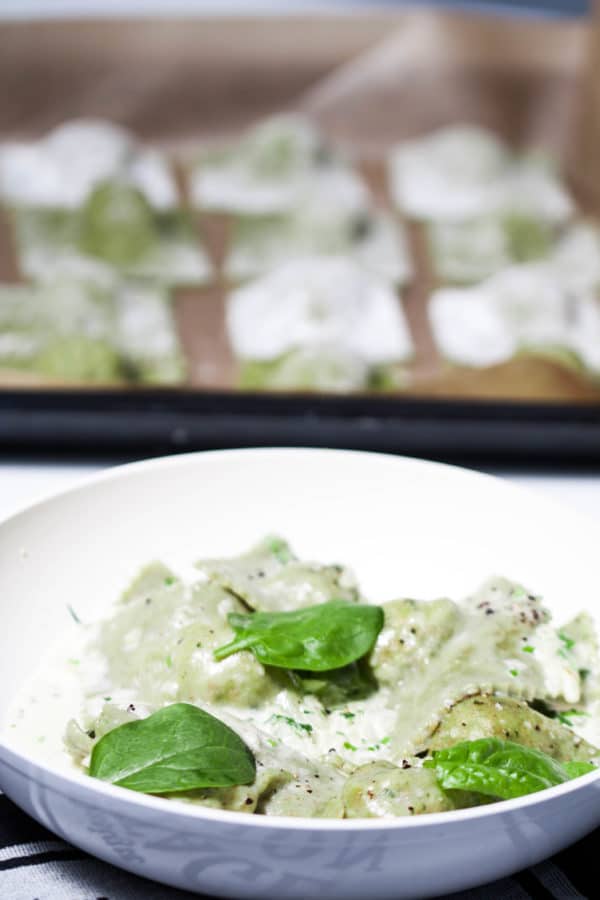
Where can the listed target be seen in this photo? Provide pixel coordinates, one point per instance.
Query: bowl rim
(71, 783)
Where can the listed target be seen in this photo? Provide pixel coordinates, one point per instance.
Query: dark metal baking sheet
(148, 422)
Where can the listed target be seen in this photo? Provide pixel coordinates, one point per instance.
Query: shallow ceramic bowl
(407, 527)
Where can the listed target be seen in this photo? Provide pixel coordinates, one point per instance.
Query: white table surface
(22, 482)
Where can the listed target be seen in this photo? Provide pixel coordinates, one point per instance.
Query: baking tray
(150, 422)
(178, 83)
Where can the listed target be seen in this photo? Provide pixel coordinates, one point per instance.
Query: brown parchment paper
(369, 80)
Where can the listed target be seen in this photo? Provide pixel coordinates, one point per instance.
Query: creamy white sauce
(72, 683)
(588, 726)
(561, 678)
(37, 719)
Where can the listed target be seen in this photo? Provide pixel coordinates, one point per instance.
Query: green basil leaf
(497, 768)
(315, 638)
(575, 769)
(178, 748)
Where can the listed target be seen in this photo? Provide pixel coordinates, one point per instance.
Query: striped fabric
(35, 865)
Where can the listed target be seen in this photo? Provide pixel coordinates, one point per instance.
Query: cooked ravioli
(470, 251)
(61, 170)
(318, 323)
(270, 577)
(463, 173)
(269, 170)
(382, 790)
(79, 330)
(524, 309)
(367, 235)
(346, 741)
(115, 230)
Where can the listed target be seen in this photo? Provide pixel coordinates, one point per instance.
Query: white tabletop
(20, 483)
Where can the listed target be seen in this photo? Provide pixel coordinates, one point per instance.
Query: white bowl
(408, 528)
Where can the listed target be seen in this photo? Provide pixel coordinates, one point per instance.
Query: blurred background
(343, 223)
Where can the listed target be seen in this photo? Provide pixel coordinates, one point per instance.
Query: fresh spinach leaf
(315, 638)
(178, 748)
(575, 769)
(498, 768)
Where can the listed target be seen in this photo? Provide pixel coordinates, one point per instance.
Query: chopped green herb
(528, 648)
(169, 661)
(567, 641)
(514, 672)
(297, 726)
(565, 717)
(348, 715)
(107, 699)
(349, 746)
(169, 580)
(384, 740)
(281, 550)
